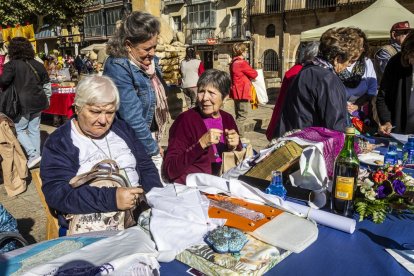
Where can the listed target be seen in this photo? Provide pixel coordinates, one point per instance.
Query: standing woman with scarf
(133, 66)
(317, 97)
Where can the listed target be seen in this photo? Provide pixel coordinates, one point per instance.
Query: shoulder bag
(9, 102)
(46, 86)
(103, 174)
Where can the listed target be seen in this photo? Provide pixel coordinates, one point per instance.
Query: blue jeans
(28, 133)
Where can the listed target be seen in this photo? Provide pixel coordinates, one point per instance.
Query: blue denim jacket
(137, 97)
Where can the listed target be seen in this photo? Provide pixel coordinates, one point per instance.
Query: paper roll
(325, 218)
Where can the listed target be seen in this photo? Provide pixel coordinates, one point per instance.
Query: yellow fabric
(6, 34)
(17, 31)
(254, 101)
(75, 31)
(64, 32)
(28, 31)
(14, 161)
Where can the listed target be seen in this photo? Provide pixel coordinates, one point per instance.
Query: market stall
(61, 100)
(63, 94)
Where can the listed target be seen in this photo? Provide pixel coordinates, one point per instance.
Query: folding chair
(52, 226)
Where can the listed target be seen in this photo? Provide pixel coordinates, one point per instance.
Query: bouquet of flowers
(381, 191)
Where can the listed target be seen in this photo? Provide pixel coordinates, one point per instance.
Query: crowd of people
(123, 114)
(340, 73)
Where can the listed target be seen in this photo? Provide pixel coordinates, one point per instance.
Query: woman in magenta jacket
(241, 75)
(199, 136)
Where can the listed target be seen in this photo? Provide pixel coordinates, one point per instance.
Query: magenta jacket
(184, 153)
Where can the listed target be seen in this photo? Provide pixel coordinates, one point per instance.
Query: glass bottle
(345, 176)
(391, 157)
(408, 153)
(276, 185)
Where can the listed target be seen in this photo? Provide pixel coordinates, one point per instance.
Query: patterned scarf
(353, 78)
(162, 115)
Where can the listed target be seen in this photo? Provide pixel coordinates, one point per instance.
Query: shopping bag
(233, 158)
(260, 86)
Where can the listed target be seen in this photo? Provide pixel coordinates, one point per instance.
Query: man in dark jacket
(395, 100)
(398, 33)
(79, 64)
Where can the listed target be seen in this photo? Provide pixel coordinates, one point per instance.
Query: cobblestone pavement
(28, 210)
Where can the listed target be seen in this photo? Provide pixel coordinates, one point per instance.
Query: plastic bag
(260, 86)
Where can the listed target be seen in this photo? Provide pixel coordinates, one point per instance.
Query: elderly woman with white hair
(94, 134)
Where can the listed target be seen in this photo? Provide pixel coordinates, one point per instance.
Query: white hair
(96, 90)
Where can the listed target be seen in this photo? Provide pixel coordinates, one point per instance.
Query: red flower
(379, 177)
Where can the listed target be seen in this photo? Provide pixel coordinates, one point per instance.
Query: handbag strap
(106, 164)
(85, 178)
(34, 71)
(105, 168)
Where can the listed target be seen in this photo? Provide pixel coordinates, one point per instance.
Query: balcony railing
(110, 29)
(94, 31)
(193, 2)
(258, 7)
(173, 2)
(201, 36)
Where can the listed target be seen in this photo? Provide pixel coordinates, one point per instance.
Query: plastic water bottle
(276, 185)
(408, 152)
(391, 157)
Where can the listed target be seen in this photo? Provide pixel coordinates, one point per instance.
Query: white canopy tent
(94, 47)
(375, 21)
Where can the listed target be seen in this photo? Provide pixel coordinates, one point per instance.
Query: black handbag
(9, 102)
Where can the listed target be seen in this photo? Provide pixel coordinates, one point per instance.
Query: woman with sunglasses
(133, 66)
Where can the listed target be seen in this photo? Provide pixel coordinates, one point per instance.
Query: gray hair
(309, 51)
(220, 80)
(96, 90)
(138, 27)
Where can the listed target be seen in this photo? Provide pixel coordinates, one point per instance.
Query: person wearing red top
(308, 53)
(241, 75)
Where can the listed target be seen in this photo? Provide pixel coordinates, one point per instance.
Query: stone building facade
(212, 26)
(270, 28)
(276, 30)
